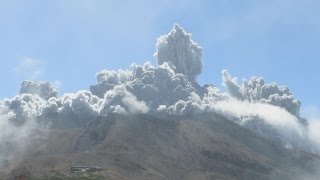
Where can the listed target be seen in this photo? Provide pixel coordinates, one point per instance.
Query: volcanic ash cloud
(178, 49)
(170, 87)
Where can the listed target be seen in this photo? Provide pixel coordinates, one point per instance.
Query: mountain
(155, 146)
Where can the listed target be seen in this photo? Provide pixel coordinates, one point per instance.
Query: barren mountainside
(161, 147)
(156, 121)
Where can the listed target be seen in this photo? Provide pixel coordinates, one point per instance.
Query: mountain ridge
(148, 146)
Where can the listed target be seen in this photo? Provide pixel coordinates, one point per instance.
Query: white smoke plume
(169, 87)
(268, 120)
(17, 135)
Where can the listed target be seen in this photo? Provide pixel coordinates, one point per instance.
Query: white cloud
(29, 69)
(272, 115)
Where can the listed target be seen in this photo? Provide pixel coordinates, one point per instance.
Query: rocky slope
(161, 147)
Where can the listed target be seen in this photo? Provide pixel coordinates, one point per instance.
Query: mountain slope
(165, 147)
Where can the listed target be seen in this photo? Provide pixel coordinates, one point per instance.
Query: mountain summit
(157, 122)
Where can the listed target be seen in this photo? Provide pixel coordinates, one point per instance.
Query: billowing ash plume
(44, 89)
(120, 100)
(25, 106)
(255, 90)
(169, 87)
(178, 49)
(108, 79)
(155, 86)
(179, 60)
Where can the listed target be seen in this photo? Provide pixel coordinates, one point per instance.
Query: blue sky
(67, 42)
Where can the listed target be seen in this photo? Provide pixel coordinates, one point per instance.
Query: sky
(68, 42)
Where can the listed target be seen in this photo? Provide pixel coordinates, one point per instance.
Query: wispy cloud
(29, 68)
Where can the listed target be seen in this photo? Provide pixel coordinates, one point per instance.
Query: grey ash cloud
(43, 89)
(178, 49)
(169, 87)
(256, 90)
